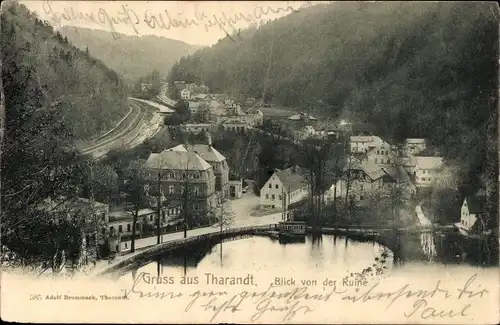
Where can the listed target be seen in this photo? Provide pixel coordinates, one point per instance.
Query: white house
(363, 144)
(381, 154)
(428, 170)
(185, 94)
(285, 187)
(414, 146)
(471, 209)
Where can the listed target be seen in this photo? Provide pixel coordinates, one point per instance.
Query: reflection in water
(428, 245)
(313, 254)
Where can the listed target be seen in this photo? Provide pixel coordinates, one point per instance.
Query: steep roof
(293, 178)
(476, 203)
(302, 116)
(119, 215)
(176, 160)
(207, 152)
(429, 162)
(179, 147)
(397, 174)
(373, 171)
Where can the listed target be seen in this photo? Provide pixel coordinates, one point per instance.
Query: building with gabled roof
(428, 170)
(364, 143)
(218, 163)
(285, 187)
(472, 210)
(183, 175)
(414, 146)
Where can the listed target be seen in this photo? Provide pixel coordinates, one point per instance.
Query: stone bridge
(405, 243)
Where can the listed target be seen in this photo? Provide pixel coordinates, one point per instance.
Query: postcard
(298, 162)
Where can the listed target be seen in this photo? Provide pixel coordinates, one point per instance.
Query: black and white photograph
(249, 162)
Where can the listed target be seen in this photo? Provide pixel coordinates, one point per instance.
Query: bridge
(405, 243)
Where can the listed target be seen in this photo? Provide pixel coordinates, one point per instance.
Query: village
(189, 186)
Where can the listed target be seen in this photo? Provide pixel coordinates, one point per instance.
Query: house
(472, 209)
(235, 188)
(184, 176)
(361, 180)
(179, 85)
(302, 117)
(197, 128)
(363, 144)
(193, 106)
(428, 170)
(218, 163)
(204, 89)
(185, 94)
(381, 154)
(414, 146)
(146, 87)
(285, 187)
(397, 176)
(93, 216)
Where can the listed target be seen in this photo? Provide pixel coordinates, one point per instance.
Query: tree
(202, 114)
(135, 188)
(222, 216)
(36, 162)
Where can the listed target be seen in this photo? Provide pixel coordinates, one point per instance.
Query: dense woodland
(131, 56)
(54, 94)
(423, 69)
(90, 96)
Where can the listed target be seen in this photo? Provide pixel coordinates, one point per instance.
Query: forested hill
(131, 56)
(415, 69)
(40, 69)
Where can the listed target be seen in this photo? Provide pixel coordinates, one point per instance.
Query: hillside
(130, 56)
(89, 96)
(413, 69)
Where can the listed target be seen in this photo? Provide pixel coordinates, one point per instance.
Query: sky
(194, 22)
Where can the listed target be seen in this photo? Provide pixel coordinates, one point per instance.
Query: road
(239, 222)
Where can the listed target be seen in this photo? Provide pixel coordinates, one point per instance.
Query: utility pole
(158, 203)
(92, 204)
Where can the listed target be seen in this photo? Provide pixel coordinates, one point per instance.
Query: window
(196, 207)
(171, 189)
(103, 230)
(111, 229)
(270, 185)
(128, 227)
(273, 196)
(361, 197)
(277, 186)
(196, 191)
(120, 228)
(267, 196)
(280, 198)
(376, 160)
(150, 218)
(103, 216)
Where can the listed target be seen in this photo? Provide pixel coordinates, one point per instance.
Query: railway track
(120, 135)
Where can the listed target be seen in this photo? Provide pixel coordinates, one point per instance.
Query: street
(241, 208)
